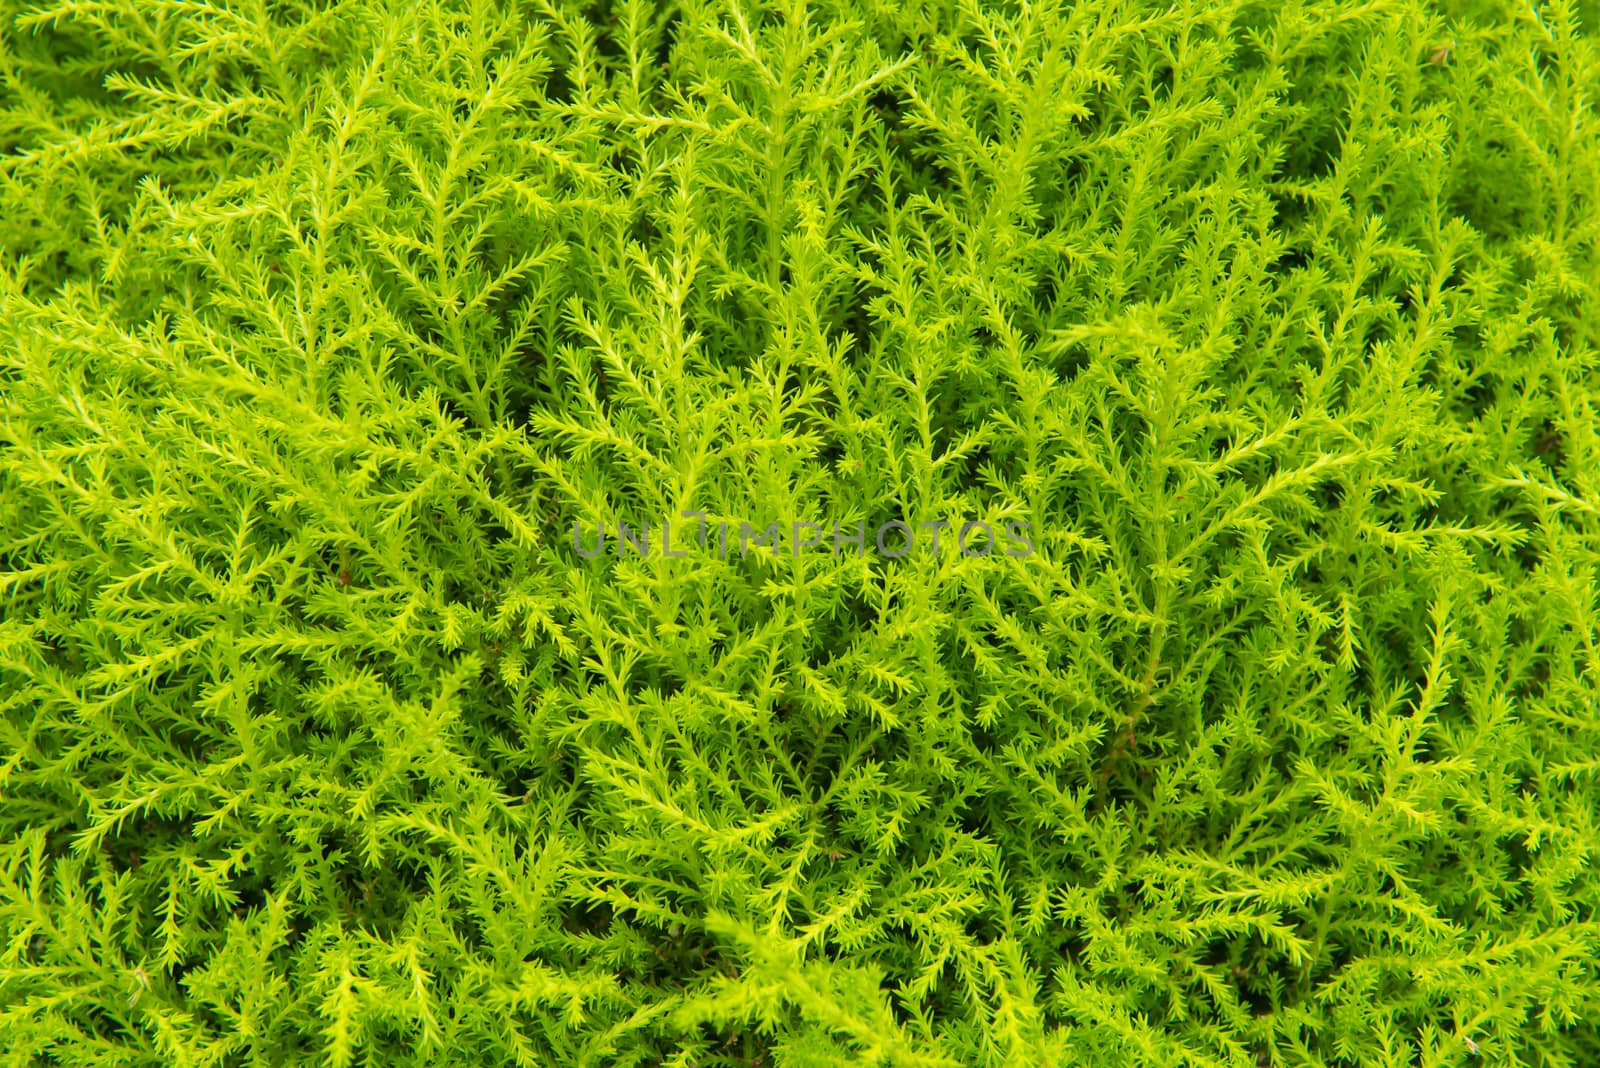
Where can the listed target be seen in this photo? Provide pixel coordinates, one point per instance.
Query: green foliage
(324, 324)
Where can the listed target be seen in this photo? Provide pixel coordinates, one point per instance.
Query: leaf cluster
(325, 323)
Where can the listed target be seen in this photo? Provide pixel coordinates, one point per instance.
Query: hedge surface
(331, 331)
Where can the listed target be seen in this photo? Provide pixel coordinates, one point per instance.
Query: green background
(321, 325)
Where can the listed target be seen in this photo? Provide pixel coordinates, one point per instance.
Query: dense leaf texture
(324, 323)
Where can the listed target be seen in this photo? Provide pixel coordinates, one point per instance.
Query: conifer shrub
(891, 532)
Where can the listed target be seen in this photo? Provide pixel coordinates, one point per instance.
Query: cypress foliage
(1270, 325)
